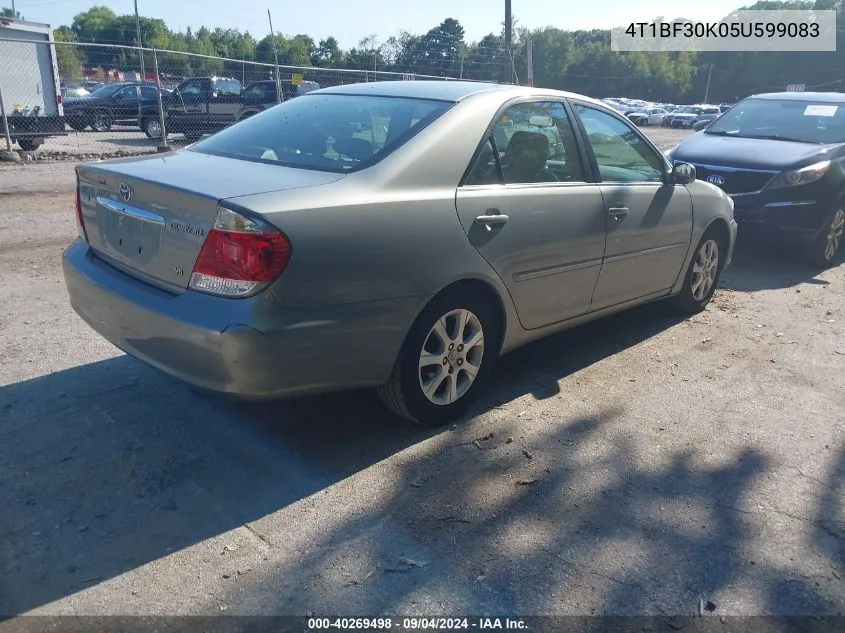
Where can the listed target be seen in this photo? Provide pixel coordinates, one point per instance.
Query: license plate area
(130, 234)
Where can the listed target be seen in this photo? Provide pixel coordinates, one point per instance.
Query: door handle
(618, 212)
(494, 218)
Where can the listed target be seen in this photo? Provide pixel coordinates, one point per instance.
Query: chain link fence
(113, 100)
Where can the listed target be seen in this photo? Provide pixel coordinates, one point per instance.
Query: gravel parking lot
(638, 465)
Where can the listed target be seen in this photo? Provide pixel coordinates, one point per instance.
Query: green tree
(69, 58)
(6, 12)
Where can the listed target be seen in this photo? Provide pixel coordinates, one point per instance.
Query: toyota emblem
(716, 180)
(125, 192)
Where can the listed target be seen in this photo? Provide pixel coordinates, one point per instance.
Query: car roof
(447, 90)
(827, 97)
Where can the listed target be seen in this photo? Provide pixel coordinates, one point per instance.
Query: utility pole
(276, 57)
(507, 71)
(707, 89)
(137, 33)
(14, 13)
(530, 56)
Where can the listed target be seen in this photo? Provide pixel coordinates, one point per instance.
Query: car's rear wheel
(102, 122)
(30, 144)
(445, 360)
(823, 251)
(703, 273)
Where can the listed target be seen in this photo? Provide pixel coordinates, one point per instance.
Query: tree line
(575, 60)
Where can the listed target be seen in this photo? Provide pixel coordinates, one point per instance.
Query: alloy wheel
(153, 128)
(834, 236)
(705, 269)
(102, 123)
(451, 356)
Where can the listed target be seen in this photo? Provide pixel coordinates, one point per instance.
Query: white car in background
(648, 116)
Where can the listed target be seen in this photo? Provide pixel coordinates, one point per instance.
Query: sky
(350, 21)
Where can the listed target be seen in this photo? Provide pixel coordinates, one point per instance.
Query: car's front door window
(621, 152)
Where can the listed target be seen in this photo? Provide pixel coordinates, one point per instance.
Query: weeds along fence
(64, 99)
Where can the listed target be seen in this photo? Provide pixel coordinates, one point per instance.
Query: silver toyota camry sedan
(398, 235)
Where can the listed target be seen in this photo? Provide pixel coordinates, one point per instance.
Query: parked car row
(676, 116)
(197, 106)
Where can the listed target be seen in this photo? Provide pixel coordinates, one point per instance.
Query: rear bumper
(34, 126)
(249, 348)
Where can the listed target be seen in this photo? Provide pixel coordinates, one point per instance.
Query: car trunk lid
(149, 216)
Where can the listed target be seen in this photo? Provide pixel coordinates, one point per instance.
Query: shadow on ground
(111, 465)
(760, 265)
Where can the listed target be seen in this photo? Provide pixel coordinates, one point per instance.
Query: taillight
(240, 256)
(80, 224)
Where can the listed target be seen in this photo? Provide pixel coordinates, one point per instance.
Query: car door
(528, 208)
(224, 103)
(649, 218)
(125, 104)
(188, 107)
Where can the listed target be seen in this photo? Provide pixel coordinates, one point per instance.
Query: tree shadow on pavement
(584, 527)
(112, 465)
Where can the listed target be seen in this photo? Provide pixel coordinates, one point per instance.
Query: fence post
(5, 124)
(162, 146)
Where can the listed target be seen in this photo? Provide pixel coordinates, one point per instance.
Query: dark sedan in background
(781, 157)
(119, 103)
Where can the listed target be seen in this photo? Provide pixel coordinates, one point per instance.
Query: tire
(404, 392)
(706, 268)
(102, 122)
(151, 127)
(30, 144)
(823, 252)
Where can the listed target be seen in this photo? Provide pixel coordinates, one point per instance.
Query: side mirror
(683, 174)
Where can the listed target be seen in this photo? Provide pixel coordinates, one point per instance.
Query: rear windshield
(787, 119)
(329, 132)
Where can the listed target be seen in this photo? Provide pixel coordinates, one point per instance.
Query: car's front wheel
(826, 247)
(703, 273)
(102, 122)
(445, 360)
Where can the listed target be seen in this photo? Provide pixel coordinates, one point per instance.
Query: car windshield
(784, 119)
(326, 132)
(107, 91)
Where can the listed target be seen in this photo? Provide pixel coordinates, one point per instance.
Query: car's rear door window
(534, 142)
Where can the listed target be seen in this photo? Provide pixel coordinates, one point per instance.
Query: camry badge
(716, 180)
(125, 192)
